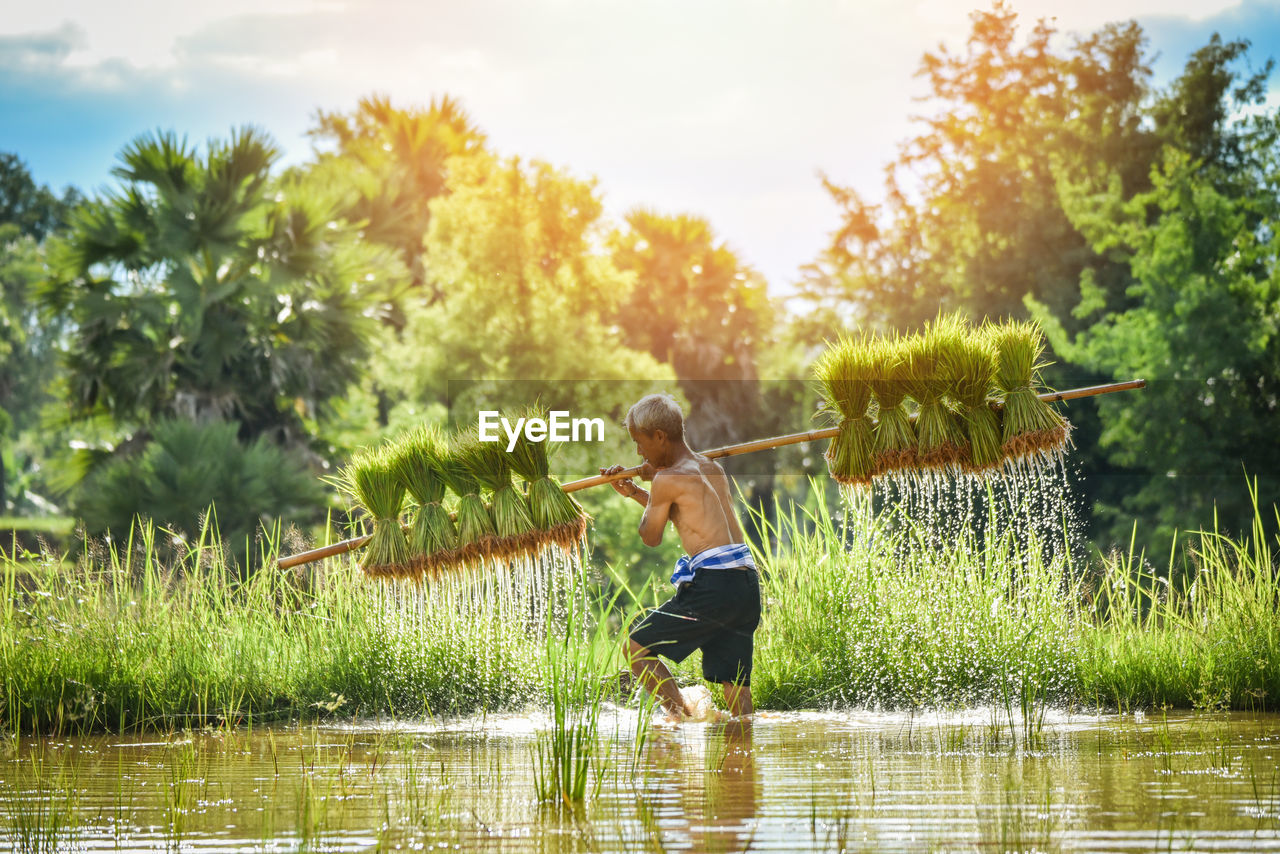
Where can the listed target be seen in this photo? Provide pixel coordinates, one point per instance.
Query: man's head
(656, 424)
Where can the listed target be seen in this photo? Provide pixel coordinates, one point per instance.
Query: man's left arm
(657, 511)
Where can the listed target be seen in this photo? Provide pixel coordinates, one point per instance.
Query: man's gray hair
(656, 412)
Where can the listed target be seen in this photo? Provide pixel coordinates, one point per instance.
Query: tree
(1202, 304)
(34, 209)
(970, 217)
(696, 306)
(189, 469)
(527, 294)
(393, 162)
(28, 213)
(202, 290)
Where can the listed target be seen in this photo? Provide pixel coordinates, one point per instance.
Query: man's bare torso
(702, 508)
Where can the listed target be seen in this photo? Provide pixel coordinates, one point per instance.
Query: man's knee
(636, 652)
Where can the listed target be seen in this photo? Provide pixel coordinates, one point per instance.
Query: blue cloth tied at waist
(720, 557)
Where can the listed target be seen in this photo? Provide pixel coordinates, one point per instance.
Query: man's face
(652, 447)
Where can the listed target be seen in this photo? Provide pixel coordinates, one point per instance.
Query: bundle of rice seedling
(418, 461)
(1030, 425)
(844, 375)
(970, 366)
(371, 480)
(940, 438)
(893, 439)
(489, 464)
(476, 533)
(558, 517)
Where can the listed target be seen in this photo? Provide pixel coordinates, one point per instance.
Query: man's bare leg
(656, 679)
(739, 699)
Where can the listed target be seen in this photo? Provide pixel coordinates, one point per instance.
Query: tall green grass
(155, 633)
(875, 615)
(1208, 637)
(881, 615)
(125, 640)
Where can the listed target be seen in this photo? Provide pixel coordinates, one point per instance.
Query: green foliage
(34, 210)
(1206, 638)
(1201, 330)
(526, 300)
(474, 520)
(880, 617)
(844, 372)
(185, 469)
(393, 161)
(971, 217)
(940, 436)
(373, 480)
(1029, 424)
(970, 366)
(489, 463)
(894, 438)
(531, 460)
(200, 288)
(698, 307)
(163, 630)
(417, 460)
(1197, 246)
(1138, 225)
(28, 342)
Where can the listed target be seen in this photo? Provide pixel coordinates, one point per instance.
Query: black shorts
(717, 613)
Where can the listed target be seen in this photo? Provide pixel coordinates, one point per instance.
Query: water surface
(971, 780)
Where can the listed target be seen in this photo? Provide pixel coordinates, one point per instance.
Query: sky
(727, 109)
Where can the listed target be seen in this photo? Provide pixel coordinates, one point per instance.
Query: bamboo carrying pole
(715, 453)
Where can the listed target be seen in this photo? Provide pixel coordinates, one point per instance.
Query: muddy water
(787, 782)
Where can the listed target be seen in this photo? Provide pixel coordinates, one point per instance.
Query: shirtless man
(717, 603)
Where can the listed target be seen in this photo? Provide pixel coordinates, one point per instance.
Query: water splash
(479, 622)
(1028, 503)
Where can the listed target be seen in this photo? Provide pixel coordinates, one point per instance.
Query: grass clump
(845, 372)
(941, 442)
(894, 437)
(163, 631)
(1030, 425)
(476, 532)
(418, 461)
(489, 464)
(568, 753)
(558, 517)
(970, 365)
(371, 479)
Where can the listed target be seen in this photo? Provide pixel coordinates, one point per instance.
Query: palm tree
(394, 160)
(202, 289)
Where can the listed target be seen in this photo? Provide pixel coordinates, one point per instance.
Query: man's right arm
(657, 511)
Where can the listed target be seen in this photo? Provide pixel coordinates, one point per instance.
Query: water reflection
(783, 782)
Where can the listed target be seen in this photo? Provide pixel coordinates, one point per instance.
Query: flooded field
(972, 780)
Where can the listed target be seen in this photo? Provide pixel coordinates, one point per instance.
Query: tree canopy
(202, 289)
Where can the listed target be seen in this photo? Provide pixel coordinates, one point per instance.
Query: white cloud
(41, 51)
(725, 108)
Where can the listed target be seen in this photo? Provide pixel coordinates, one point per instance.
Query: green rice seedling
(489, 463)
(1030, 425)
(418, 459)
(894, 437)
(476, 532)
(844, 374)
(970, 366)
(941, 442)
(371, 480)
(568, 754)
(558, 517)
